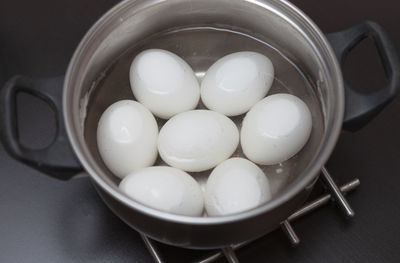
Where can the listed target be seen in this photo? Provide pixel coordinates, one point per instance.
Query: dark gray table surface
(45, 220)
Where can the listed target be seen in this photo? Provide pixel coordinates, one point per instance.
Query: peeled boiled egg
(234, 83)
(235, 185)
(275, 129)
(165, 188)
(164, 83)
(127, 137)
(197, 140)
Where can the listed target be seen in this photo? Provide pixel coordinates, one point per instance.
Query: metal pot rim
(307, 176)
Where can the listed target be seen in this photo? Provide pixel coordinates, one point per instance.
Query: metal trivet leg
(230, 255)
(289, 231)
(151, 247)
(336, 193)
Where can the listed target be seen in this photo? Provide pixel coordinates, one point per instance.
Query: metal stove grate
(335, 193)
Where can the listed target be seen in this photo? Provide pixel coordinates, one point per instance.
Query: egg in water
(164, 83)
(275, 129)
(197, 140)
(234, 83)
(165, 188)
(234, 186)
(127, 137)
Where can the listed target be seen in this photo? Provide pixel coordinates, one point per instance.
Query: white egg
(234, 186)
(127, 137)
(234, 83)
(275, 129)
(164, 83)
(165, 188)
(197, 140)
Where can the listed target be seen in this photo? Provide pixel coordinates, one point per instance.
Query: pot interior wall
(201, 32)
(200, 47)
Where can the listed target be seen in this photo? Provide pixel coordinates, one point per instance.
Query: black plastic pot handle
(361, 108)
(57, 159)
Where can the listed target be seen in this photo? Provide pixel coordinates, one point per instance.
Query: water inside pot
(200, 47)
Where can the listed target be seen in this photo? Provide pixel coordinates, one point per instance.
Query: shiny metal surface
(230, 255)
(322, 200)
(278, 23)
(317, 203)
(152, 249)
(337, 194)
(202, 235)
(290, 233)
(211, 258)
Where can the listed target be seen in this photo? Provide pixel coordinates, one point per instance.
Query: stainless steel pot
(125, 30)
